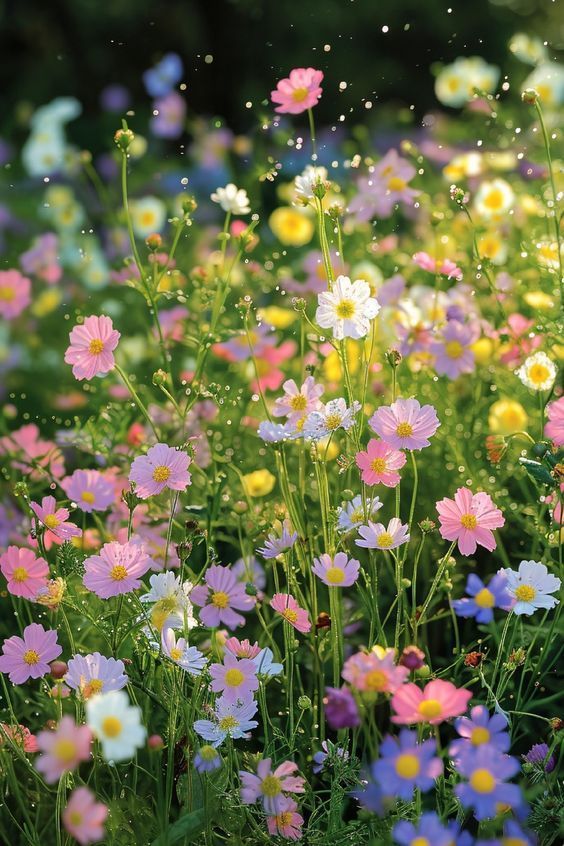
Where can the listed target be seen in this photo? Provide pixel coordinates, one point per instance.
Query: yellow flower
(483, 350)
(278, 317)
(258, 483)
(506, 417)
(46, 302)
(493, 247)
(332, 363)
(327, 449)
(293, 228)
(539, 300)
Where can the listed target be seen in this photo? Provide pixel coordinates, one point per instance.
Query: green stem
(138, 402)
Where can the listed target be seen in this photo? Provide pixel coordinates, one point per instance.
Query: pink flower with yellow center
(379, 464)
(298, 92)
(162, 467)
(405, 424)
(26, 575)
(28, 657)
(236, 678)
(63, 749)
(470, 520)
(371, 672)
(287, 606)
(91, 347)
(117, 569)
(55, 520)
(339, 571)
(438, 701)
(90, 490)
(15, 293)
(83, 817)
(270, 786)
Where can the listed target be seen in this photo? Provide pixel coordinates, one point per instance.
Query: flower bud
(427, 526)
(347, 495)
(123, 138)
(58, 669)
(304, 703)
(473, 659)
(423, 672)
(412, 657)
(189, 205)
(530, 96)
(393, 357)
(183, 550)
(154, 241)
(250, 589)
(155, 742)
(240, 507)
(159, 378)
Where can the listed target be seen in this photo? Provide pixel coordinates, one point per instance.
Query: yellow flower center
(482, 781)
(484, 598)
(92, 687)
(333, 421)
(404, 430)
(290, 615)
(208, 753)
(118, 573)
(271, 786)
(299, 94)
(430, 708)
(514, 841)
(454, 349)
(396, 183)
(51, 521)
(357, 516)
(88, 496)
(176, 653)
(479, 735)
(65, 750)
(378, 465)
(159, 616)
(494, 200)
(298, 402)
(284, 819)
(111, 726)
(375, 680)
(228, 723)
(20, 574)
(334, 575)
(220, 599)
(75, 818)
(385, 540)
(161, 473)
(538, 373)
(345, 309)
(469, 521)
(420, 841)
(31, 657)
(453, 84)
(234, 677)
(146, 218)
(7, 294)
(407, 765)
(525, 593)
(96, 346)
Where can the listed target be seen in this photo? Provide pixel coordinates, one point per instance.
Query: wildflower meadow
(282, 458)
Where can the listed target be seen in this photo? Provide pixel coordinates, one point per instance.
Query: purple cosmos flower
(328, 753)
(429, 829)
(479, 729)
(339, 571)
(164, 76)
(170, 117)
(236, 678)
(231, 719)
(28, 657)
(273, 433)
(115, 98)
(486, 785)
(453, 353)
(275, 544)
(405, 764)
(482, 600)
(351, 514)
(207, 759)
(386, 186)
(162, 467)
(405, 424)
(341, 709)
(219, 596)
(89, 490)
(91, 674)
(539, 754)
(377, 536)
(249, 570)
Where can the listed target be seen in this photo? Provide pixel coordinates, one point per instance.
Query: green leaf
(538, 472)
(185, 828)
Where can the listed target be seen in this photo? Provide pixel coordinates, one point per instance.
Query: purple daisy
(486, 785)
(453, 353)
(236, 678)
(479, 729)
(219, 596)
(428, 829)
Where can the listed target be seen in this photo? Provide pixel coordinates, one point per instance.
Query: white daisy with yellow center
(538, 372)
(494, 199)
(116, 724)
(347, 308)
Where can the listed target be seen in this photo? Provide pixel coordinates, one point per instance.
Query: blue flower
(164, 76)
(265, 665)
(479, 729)
(428, 829)
(512, 834)
(231, 720)
(405, 764)
(328, 751)
(486, 789)
(207, 759)
(482, 600)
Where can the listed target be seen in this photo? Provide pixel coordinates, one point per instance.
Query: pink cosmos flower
(162, 467)
(15, 293)
(438, 701)
(405, 424)
(374, 673)
(221, 593)
(28, 657)
(554, 429)
(54, 520)
(339, 571)
(63, 749)
(287, 606)
(298, 92)
(241, 648)
(522, 342)
(270, 786)
(298, 402)
(379, 464)
(445, 267)
(33, 451)
(26, 575)
(469, 519)
(20, 735)
(236, 678)
(89, 489)
(91, 347)
(287, 822)
(83, 817)
(377, 536)
(117, 569)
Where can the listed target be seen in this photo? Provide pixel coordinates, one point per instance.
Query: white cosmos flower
(347, 309)
(494, 199)
(232, 199)
(116, 724)
(350, 515)
(148, 215)
(538, 372)
(305, 182)
(334, 415)
(171, 604)
(528, 49)
(548, 80)
(531, 587)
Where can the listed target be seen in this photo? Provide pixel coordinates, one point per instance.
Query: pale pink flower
(242, 648)
(340, 571)
(438, 701)
(34, 452)
(83, 817)
(28, 657)
(26, 575)
(162, 467)
(63, 749)
(371, 672)
(270, 785)
(298, 92)
(117, 569)
(297, 402)
(379, 464)
(91, 347)
(469, 519)
(287, 822)
(554, 429)
(54, 519)
(287, 606)
(15, 293)
(89, 489)
(378, 536)
(236, 678)
(445, 267)
(405, 424)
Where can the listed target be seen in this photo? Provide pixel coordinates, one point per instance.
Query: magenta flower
(339, 571)
(378, 536)
(298, 402)
(15, 293)
(162, 467)
(83, 817)
(63, 749)
(453, 355)
(287, 606)
(117, 569)
(554, 429)
(28, 657)
(89, 489)
(373, 673)
(379, 464)
(405, 424)
(445, 267)
(54, 519)
(91, 347)
(270, 786)
(217, 598)
(236, 678)
(341, 709)
(298, 92)
(26, 575)
(438, 701)
(470, 520)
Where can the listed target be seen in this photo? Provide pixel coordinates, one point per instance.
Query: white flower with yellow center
(528, 49)
(232, 199)
(538, 372)
(547, 253)
(494, 199)
(306, 181)
(531, 586)
(116, 724)
(148, 215)
(493, 246)
(548, 81)
(171, 606)
(347, 309)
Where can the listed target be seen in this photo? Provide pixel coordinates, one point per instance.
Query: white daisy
(531, 587)
(538, 372)
(116, 724)
(148, 215)
(347, 309)
(306, 181)
(494, 199)
(351, 515)
(232, 199)
(171, 604)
